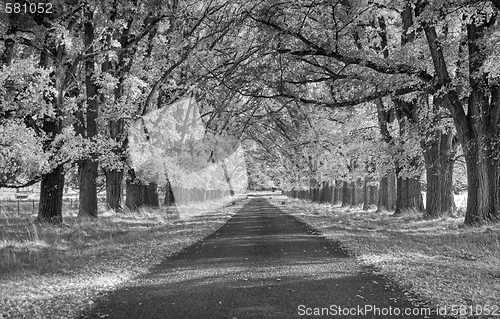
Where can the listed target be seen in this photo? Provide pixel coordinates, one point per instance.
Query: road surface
(263, 263)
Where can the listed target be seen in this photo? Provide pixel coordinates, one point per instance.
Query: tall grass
(439, 259)
(25, 245)
(51, 271)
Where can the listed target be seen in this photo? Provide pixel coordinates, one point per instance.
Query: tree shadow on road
(262, 263)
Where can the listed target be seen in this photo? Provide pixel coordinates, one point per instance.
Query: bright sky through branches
(172, 142)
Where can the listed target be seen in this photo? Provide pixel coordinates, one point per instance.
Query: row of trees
(353, 91)
(382, 90)
(75, 79)
(348, 194)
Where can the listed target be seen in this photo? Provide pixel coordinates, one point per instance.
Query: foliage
(21, 154)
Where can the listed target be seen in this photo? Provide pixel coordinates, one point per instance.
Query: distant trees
(349, 93)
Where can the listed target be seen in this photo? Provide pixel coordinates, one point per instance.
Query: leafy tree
(306, 32)
(49, 37)
(477, 121)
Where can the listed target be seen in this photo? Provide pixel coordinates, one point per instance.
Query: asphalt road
(262, 263)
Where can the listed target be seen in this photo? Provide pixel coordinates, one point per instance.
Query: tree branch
(350, 102)
(317, 50)
(496, 3)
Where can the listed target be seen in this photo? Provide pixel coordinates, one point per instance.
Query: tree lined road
(262, 263)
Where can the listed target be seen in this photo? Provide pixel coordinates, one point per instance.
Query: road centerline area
(263, 263)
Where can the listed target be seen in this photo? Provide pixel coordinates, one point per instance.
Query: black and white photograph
(249, 159)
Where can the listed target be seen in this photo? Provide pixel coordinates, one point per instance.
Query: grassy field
(56, 271)
(439, 260)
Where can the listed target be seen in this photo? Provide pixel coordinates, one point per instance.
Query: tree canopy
(317, 91)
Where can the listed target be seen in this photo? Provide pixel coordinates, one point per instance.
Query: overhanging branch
(346, 103)
(317, 50)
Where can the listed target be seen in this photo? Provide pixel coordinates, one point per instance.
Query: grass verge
(56, 271)
(439, 260)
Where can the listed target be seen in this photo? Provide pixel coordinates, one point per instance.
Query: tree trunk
(438, 155)
(169, 195)
(366, 195)
(383, 194)
(480, 139)
(447, 150)
(480, 191)
(433, 201)
(341, 194)
(478, 127)
(51, 197)
(333, 192)
(151, 198)
(139, 193)
(116, 127)
(387, 193)
(114, 175)
(228, 178)
(386, 185)
(52, 184)
(88, 167)
(360, 195)
(323, 192)
(346, 194)
(408, 195)
(87, 189)
(353, 192)
(135, 195)
(438, 152)
(391, 185)
(114, 180)
(328, 193)
(408, 191)
(373, 195)
(135, 192)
